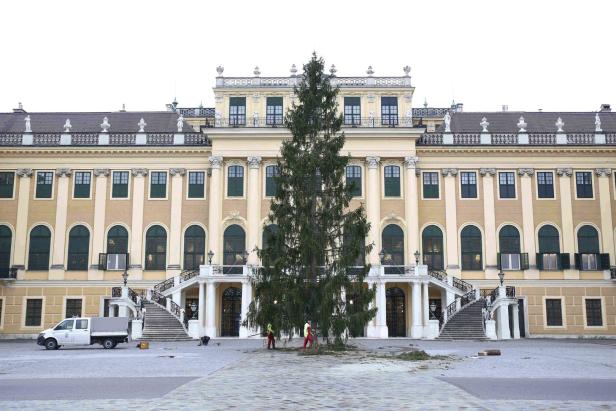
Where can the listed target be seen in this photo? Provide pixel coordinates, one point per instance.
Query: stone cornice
(606, 149)
(24, 151)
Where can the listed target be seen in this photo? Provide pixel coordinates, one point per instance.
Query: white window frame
(400, 166)
(226, 177)
(264, 179)
(363, 179)
(53, 185)
(204, 184)
(128, 192)
(74, 178)
(537, 185)
(515, 185)
(14, 188)
(603, 313)
(460, 184)
(73, 297)
(23, 312)
(440, 183)
(592, 182)
(166, 197)
(510, 260)
(563, 312)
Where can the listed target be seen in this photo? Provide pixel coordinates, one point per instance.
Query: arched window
(117, 240)
(155, 248)
(549, 248)
(588, 257)
(268, 233)
(78, 248)
(509, 241)
(234, 245)
(38, 255)
(194, 247)
(432, 247)
(393, 245)
(6, 238)
(470, 247)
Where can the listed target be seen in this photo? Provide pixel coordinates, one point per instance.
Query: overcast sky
(96, 55)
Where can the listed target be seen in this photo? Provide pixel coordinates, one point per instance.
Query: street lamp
(382, 255)
(210, 255)
(433, 309)
(193, 307)
(416, 257)
(501, 276)
(125, 277)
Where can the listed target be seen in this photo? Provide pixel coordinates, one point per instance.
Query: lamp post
(432, 310)
(193, 307)
(125, 277)
(210, 255)
(501, 276)
(416, 257)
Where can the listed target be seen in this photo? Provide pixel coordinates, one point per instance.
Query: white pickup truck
(107, 331)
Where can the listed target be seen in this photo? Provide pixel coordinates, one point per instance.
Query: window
(117, 240)
(78, 248)
(234, 245)
(268, 235)
(7, 182)
(82, 184)
(470, 247)
(545, 184)
(509, 240)
(583, 184)
(81, 324)
(594, 316)
(506, 184)
(34, 311)
(155, 248)
(389, 111)
(235, 181)
(549, 249)
(588, 257)
(194, 247)
(393, 245)
(38, 255)
(432, 247)
(65, 325)
(273, 111)
(468, 184)
(353, 180)
(392, 181)
(352, 111)
(271, 183)
(6, 238)
(158, 184)
(196, 184)
(430, 185)
(120, 184)
(237, 111)
(553, 312)
(44, 184)
(73, 307)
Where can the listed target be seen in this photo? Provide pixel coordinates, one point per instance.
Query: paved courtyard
(240, 374)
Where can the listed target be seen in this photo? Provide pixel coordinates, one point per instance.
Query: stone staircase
(466, 324)
(161, 325)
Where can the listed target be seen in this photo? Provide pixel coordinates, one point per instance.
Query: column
(416, 326)
(373, 208)
(246, 299)
(215, 212)
(425, 308)
(528, 222)
(56, 272)
(605, 203)
(201, 307)
(175, 227)
(136, 230)
(21, 225)
(566, 211)
(502, 316)
(98, 230)
(253, 208)
(411, 204)
(489, 222)
(210, 319)
(516, 321)
(378, 327)
(451, 224)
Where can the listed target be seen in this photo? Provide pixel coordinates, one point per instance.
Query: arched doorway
(231, 314)
(396, 312)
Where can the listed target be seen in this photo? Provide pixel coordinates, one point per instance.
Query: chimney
(505, 107)
(605, 108)
(20, 109)
(459, 107)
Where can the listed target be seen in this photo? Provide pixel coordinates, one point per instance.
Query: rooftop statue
(142, 125)
(484, 125)
(559, 125)
(105, 125)
(447, 122)
(180, 123)
(597, 123)
(67, 126)
(28, 126)
(522, 125)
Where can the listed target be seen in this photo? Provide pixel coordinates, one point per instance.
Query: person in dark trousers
(307, 334)
(187, 316)
(204, 340)
(271, 340)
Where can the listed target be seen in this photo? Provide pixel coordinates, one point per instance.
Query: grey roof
(89, 122)
(537, 122)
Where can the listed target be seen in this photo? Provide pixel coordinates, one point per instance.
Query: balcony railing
(395, 269)
(348, 122)
(233, 269)
(517, 139)
(289, 82)
(103, 139)
(9, 274)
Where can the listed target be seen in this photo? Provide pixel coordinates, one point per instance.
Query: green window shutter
(605, 261)
(565, 261)
(539, 257)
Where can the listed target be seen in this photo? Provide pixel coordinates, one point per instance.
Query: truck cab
(85, 331)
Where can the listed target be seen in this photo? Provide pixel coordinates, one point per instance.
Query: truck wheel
(108, 343)
(51, 344)
(115, 343)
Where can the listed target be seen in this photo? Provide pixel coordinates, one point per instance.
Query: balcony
(292, 81)
(103, 139)
(519, 139)
(9, 274)
(348, 122)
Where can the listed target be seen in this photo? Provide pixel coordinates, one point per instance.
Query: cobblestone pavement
(367, 379)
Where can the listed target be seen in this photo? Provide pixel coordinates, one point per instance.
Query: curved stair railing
(452, 309)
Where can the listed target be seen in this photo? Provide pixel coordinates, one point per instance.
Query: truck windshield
(65, 325)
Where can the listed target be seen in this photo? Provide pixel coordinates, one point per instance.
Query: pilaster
(98, 230)
(210, 320)
(253, 207)
(21, 225)
(175, 229)
(489, 221)
(528, 224)
(246, 299)
(411, 204)
(373, 208)
(416, 325)
(605, 203)
(451, 223)
(566, 211)
(56, 271)
(215, 211)
(136, 238)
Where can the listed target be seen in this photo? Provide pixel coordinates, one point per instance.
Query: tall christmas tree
(313, 259)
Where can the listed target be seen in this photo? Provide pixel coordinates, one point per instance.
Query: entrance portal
(231, 314)
(396, 312)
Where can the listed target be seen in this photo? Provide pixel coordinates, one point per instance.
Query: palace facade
(179, 198)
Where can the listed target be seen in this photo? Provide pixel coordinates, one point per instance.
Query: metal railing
(175, 309)
(132, 295)
(438, 274)
(158, 298)
(510, 291)
(188, 274)
(233, 269)
(10, 274)
(501, 138)
(278, 122)
(462, 285)
(116, 292)
(107, 139)
(164, 285)
(394, 269)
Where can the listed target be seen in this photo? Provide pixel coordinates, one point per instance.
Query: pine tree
(315, 241)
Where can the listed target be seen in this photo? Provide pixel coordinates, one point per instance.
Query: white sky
(95, 55)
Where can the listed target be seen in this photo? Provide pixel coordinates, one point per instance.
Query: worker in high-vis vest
(271, 341)
(307, 334)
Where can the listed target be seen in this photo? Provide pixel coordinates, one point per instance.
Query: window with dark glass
(352, 111)
(194, 247)
(430, 185)
(78, 248)
(273, 111)
(392, 181)
(155, 248)
(73, 307)
(6, 239)
(588, 257)
(389, 111)
(549, 248)
(196, 184)
(468, 184)
(38, 253)
(120, 184)
(470, 247)
(237, 111)
(271, 183)
(594, 316)
(393, 245)
(583, 184)
(348, 241)
(44, 184)
(432, 247)
(235, 181)
(7, 182)
(553, 312)
(268, 235)
(234, 245)
(353, 180)
(158, 184)
(545, 184)
(117, 240)
(509, 241)
(82, 184)
(506, 184)
(34, 309)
